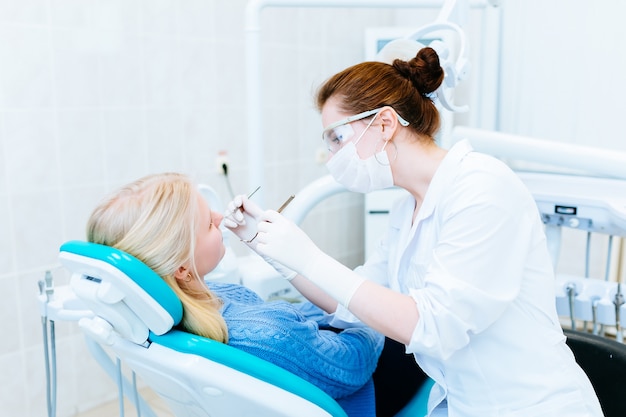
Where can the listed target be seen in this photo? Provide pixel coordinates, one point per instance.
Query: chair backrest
(196, 376)
(121, 289)
(604, 362)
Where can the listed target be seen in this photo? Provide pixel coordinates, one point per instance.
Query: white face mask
(360, 175)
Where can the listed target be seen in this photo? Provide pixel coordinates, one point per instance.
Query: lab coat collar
(443, 176)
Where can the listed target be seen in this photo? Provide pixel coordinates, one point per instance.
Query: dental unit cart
(591, 205)
(587, 204)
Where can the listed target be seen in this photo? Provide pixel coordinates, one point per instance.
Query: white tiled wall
(95, 93)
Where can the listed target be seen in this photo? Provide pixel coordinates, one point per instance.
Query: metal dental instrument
(594, 314)
(587, 254)
(618, 301)
(571, 293)
(46, 291)
(286, 203)
(257, 233)
(249, 195)
(255, 190)
(281, 208)
(608, 259)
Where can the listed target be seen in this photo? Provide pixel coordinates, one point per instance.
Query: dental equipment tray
(581, 202)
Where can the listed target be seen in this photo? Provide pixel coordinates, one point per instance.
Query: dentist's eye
(335, 139)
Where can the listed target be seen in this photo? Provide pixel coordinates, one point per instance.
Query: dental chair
(134, 317)
(135, 313)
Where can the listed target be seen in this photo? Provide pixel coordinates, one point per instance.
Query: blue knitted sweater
(293, 337)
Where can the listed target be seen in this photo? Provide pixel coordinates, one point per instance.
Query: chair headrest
(121, 289)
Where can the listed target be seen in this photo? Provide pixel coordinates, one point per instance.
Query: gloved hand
(283, 241)
(241, 218)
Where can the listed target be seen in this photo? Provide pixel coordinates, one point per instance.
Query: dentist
(462, 277)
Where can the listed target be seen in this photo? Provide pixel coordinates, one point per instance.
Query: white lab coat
(476, 263)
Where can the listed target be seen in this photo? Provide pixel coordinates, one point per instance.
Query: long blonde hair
(155, 219)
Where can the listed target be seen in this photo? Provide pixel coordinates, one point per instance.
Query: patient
(163, 221)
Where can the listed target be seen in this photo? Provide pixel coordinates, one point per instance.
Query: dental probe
(255, 190)
(241, 211)
(249, 195)
(281, 208)
(286, 203)
(240, 208)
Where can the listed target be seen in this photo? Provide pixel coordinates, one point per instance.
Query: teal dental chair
(134, 315)
(135, 312)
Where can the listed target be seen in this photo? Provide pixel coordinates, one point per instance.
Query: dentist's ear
(388, 121)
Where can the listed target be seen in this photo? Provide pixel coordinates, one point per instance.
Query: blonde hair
(155, 219)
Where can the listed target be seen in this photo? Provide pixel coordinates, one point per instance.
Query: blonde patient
(163, 221)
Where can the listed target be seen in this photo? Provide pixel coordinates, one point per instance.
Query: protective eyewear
(339, 132)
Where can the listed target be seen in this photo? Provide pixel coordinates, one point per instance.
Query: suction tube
(46, 292)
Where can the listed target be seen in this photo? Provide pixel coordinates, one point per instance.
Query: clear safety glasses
(339, 132)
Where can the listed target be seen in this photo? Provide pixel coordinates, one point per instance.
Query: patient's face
(209, 242)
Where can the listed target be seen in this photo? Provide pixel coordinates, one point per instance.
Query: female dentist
(463, 276)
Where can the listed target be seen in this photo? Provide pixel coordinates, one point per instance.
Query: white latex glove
(241, 218)
(287, 273)
(283, 241)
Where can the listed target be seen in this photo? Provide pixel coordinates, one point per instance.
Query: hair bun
(424, 70)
